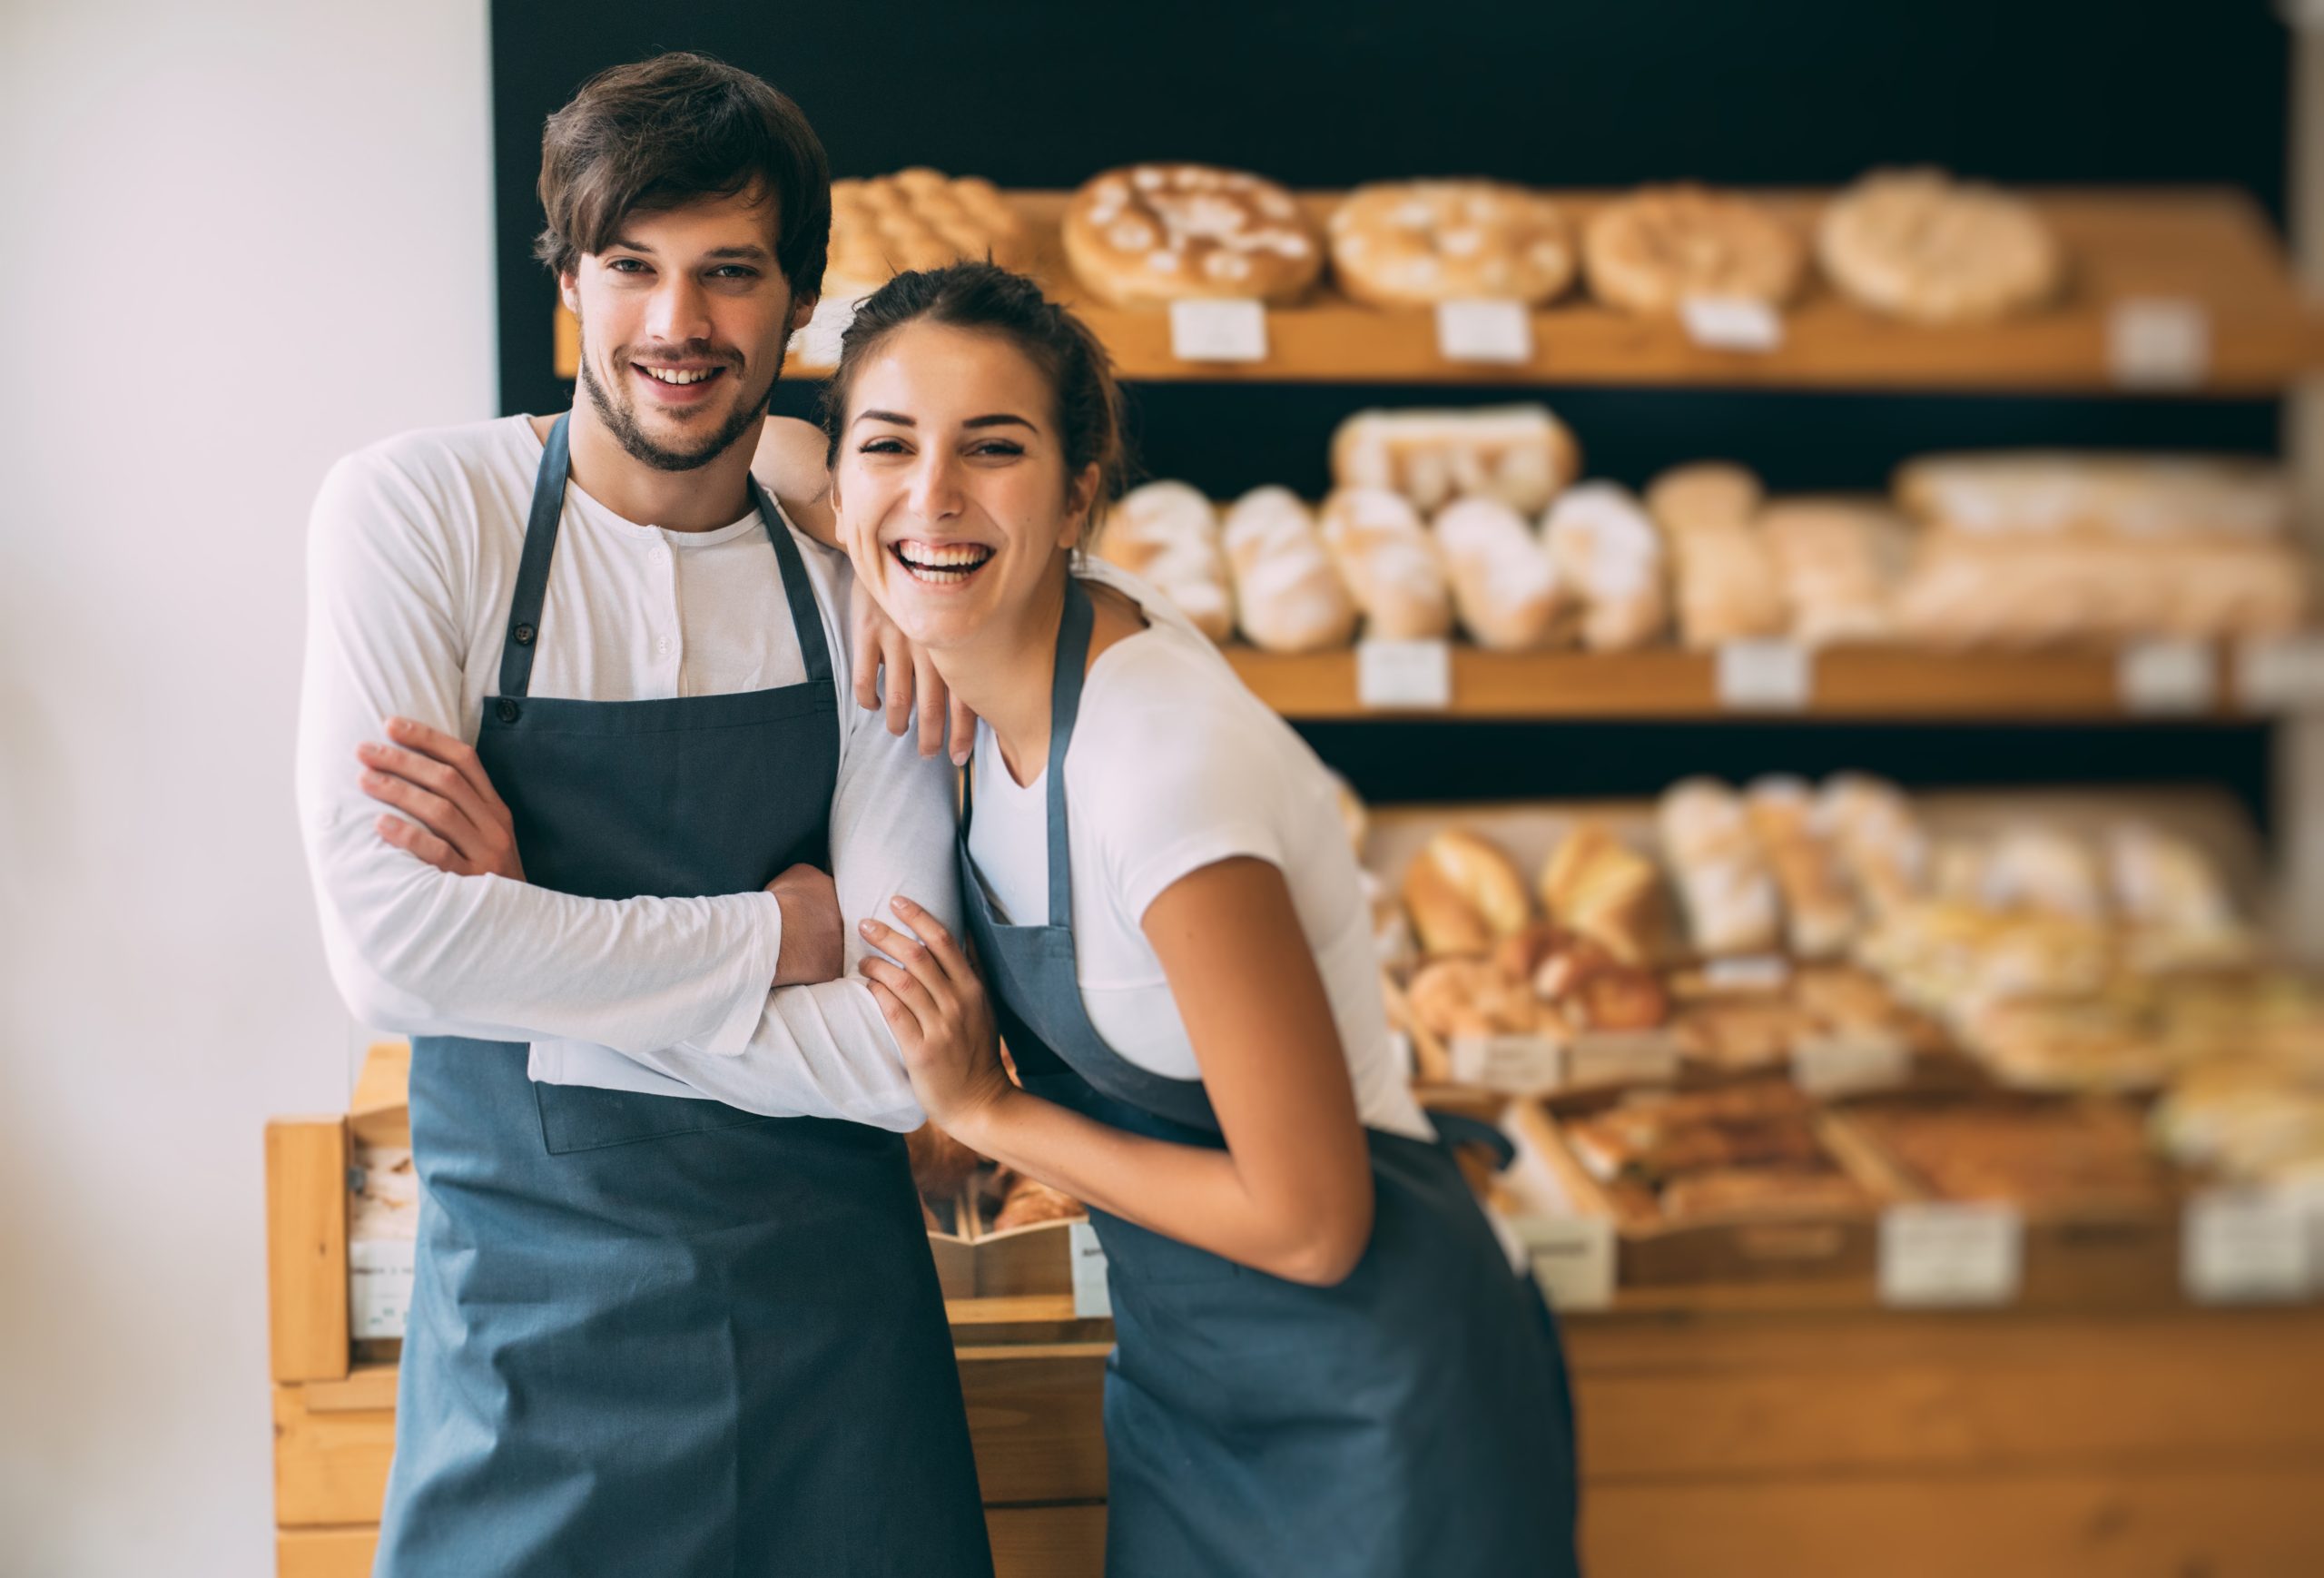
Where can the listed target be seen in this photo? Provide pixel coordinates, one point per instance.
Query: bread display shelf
(1863, 683)
(2210, 250)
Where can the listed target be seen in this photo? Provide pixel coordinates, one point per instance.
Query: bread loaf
(1919, 245)
(1288, 594)
(1729, 587)
(1723, 876)
(1167, 533)
(1598, 887)
(1608, 553)
(1705, 493)
(1653, 251)
(1840, 562)
(917, 219)
(1819, 911)
(1462, 894)
(1519, 454)
(1390, 561)
(1880, 841)
(1504, 587)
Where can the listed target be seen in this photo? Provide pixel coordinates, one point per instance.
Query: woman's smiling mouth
(940, 563)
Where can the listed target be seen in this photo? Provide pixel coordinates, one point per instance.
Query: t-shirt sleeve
(1182, 787)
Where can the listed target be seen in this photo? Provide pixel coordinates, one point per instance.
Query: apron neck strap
(518, 645)
(1065, 706)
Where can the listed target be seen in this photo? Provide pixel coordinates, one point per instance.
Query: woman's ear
(1080, 499)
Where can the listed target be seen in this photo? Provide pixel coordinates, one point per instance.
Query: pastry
(1519, 454)
(1919, 245)
(1840, 562)
(1729, 893)
(1580, 980)
(1819, 911)
(1503, 585)
(2045, 869)
(1657, 247)
(1148, 234)
(917, 219)
(2170, 890)
(1390, 561)
(1167, 533)
(1029, 1201)
(1705, 493)
(1470, 997)
(1414, 243)
(1288, 594)
(1606, 550)
(1729, 587)
(1464, 894)
(1598, 887)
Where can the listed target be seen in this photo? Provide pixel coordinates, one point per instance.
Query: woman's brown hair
(663, 132)
(989, 299)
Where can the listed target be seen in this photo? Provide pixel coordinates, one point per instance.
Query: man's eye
(626, 266)
(737, 272)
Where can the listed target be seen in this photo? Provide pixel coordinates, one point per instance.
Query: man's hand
(886, 661)
(437, 781)
(810, 927)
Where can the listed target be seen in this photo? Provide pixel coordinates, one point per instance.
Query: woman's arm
(1291, 1193)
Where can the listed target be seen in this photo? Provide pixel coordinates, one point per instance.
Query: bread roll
(1714, 493)
(1464, 894)
(1729, 587)
(1390, 562)
(1503, 585)
(1470, 997)
(917, 219)
(2045, 869)
(1723, 875)
(1288, 594)
(1605, 550)
(1167, 533)
(1841, 562)
(1880, 841)
(1654, 249)
(1519, 454)
(1919, 245)
(1412, 243)
(1819, 911)
(1149, 234)
(1598, 887)
(1030, 1202)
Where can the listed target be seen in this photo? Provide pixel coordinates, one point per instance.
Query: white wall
(237, 240)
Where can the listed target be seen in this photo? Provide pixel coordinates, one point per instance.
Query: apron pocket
(586, 1118)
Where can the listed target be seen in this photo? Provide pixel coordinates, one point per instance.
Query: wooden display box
(973, 1261)
(1651, 1251)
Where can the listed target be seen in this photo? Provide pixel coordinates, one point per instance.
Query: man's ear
(801, 310)
(569, 291)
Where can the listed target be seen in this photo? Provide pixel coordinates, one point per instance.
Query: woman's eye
(998, 447)
(881, 446)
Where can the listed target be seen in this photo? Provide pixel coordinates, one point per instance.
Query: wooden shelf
(2211, 247)
(1855, 682)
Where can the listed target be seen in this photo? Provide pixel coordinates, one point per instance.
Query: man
(674, 1311)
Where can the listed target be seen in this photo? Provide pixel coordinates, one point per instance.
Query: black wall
(1772, 91)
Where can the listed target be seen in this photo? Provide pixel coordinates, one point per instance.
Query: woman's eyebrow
(898, 417)
(998, 420)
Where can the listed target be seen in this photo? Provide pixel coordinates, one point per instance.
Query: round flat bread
(1414, 243)
(1650, 251)
(1148, 234)
(1918, 244)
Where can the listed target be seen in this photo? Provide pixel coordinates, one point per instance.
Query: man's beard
(622, 421)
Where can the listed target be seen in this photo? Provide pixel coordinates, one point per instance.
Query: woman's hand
(887, 662)
(464, 827)
(934, 1003)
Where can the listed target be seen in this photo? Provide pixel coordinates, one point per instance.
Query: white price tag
(1092, 1298)
(1499, 331)
(1408, 674)
(2159, 342)
(1621, 1058)
(1766, 677)
(2167, 679)
(1843, 1065)
(1512, 1065)
(2242, 1246)
(1218, 330)
(1572, 1258)
(1747, 973)
(378, 1286)
(1943, 1253)
(817, 344)
(1732, 323)
(2283, 675)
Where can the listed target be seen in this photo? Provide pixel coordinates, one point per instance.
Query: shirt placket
(665, 648)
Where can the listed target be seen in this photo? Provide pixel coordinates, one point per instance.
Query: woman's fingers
(913, 956)
(964, 730)
(939, 942)
(864, 623)
(928, 687)
(907, 988)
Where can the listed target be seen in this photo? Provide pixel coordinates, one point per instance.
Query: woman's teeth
(942, 565)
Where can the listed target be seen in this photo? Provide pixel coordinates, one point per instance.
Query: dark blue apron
(657, 1334)
(1413, 1420)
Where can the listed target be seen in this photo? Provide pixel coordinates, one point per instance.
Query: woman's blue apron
(657, 1334)
(1414, 1420)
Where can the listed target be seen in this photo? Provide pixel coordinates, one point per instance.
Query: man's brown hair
(667, 131)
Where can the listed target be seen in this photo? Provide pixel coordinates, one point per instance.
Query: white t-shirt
(412, 557)
(1174, 765)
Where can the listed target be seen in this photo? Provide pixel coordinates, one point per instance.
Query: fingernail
(905, 905)
(866, 926)
(959, 758)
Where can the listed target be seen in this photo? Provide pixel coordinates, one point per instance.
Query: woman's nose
(936, 488)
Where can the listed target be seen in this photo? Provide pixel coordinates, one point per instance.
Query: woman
(1325, 1363)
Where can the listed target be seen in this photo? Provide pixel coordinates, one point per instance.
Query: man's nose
(679, 313)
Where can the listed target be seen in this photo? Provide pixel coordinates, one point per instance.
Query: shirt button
(662, 645)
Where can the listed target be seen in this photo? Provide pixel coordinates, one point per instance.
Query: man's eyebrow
(754, 253)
